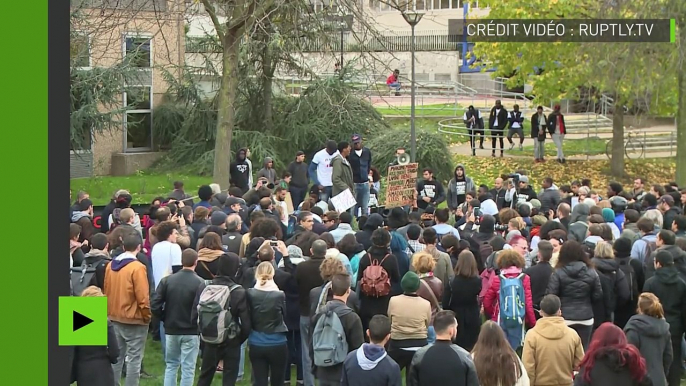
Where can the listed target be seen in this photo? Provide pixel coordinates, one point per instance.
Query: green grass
(590, 146)
(432, 110)
(144, 187)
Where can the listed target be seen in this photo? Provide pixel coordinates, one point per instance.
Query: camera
(514, 177)
(273, 242)
(500, 228)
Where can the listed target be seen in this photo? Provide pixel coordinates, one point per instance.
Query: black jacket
(105, 215)
(499, 197)
(535, 125)
(173, 302)
(307, 276)
(232, 241)
(379, 368)
(524, 195)
(238, 303)
(671, 291)
(502, 119)
(577, 286)
(615, 290)
(552, 122)
(635, 282)
(207, 270)
(609, 370)
(540, 277)
(432, 189)
(240, 174)
(92, 365)
(352, 325)
(679, 261)
(284, 279)
(434, 364)
(100, 262)
(669, 216)
(360, 165)
(461, 297)
(267, 310)
(300, 176)
(651, 336)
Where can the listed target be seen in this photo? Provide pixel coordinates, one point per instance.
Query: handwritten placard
(343, 201)
(400, 185)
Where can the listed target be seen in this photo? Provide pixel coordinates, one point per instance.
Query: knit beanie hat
(608, 215)
(410, 283)
(535, 203)
(622, 246)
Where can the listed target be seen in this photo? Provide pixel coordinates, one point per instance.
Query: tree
(627, 72)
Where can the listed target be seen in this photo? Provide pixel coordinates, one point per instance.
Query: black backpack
(630, 274)
(84, 276)
(607, 282)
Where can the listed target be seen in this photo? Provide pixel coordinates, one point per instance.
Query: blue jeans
(241, 363)
(325, 195)
(163, 341)
(308, 378)
(430, 336)
(362, 198)
(395, 85)
(183, 352)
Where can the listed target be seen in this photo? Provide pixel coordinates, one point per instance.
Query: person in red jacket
(393, 82)
(511, 265)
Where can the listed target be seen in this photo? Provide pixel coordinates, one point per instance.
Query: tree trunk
(267, 78)
(226, 112)
(681, 110)
(617, 161)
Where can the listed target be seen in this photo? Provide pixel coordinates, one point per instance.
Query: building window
(444, 4)
(138, 51)
(79, 51)
(138, 118)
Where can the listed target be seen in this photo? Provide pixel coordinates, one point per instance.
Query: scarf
(209, 255)
(269, 285)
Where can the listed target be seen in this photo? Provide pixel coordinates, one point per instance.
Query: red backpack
(375, 280)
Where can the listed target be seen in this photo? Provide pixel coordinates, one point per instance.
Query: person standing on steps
(360, 159)
(557, 129)
(475, 125)
(516, 120)
(497, 121)
(539, 130)
(321, 170)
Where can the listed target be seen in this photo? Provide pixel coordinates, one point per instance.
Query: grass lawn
(590, 146)
(440, 109)
(144, 187)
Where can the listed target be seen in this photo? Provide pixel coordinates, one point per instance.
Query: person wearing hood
(633, 271)
(370, 365)
(240, 171)
(609, 217)
(671, 291)
(458, 187)
(341, 171)
(268, 171)
(429, 190)
(666, 241)
(549, 196)
(84, 218)
(649, 332)
(552, 350)
(321, 169)
(578, 222)
(300, 179)
(577, 285)
(364, 235)
(128, 307)
(613, 282)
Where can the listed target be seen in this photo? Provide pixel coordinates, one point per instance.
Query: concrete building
(111, 30)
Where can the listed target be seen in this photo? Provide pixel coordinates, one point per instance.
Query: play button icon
(83, 321)
(80, 321)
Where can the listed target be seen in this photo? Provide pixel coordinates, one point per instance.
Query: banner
(401, 184)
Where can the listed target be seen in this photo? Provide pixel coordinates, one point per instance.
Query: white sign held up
(343, 201)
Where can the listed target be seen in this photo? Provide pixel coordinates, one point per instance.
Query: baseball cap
(666, 199)
(357, 138)
(524, 179)
(218, 218)
(231, 201)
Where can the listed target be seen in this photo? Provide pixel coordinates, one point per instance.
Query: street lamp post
(412, 18)
(343, 26)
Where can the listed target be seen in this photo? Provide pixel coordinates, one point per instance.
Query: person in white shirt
(516, 120)
(247, 160)
(280, 202)
(321, 170)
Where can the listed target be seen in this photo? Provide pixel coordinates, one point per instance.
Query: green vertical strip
(24, 160)
(672, 30)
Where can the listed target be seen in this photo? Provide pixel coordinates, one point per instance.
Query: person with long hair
(267, 340)
(461, 297)
(497, 364)
(611, 360)
(612, 280)
(649, 332)
(577, 285)
(431, 287)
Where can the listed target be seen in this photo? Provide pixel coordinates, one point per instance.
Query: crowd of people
(502, 286)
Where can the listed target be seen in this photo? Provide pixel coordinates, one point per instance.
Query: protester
(577, 285)
(458, 186)
(497, 121)
(496, 363)
(649, 332)
(93, 365)
(434, 364)
(97, 258)
(172, 304)
(370, 365)
(443, 269)
(321, 170)
(344, 227)
(516, 120)
(633, 271)
(613, 282)
(665, 241)
(611, 360)
(461, 297)
(552, 350)
(540, 273)
(557, 129)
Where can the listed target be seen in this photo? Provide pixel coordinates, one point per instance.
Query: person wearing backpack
(172, 304)
(330, 267)
(510, 287)
(633, 271)
(230, 303)
(377, 273)
(431, 287)
(646, 244)
(612, 280)
(577, 285)
(444, 268)
(92, 270)
(336, 331)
